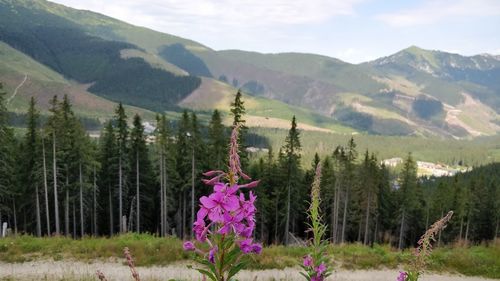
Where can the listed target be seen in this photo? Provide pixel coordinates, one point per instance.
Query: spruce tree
(107, 181)
(121, 133)
(407, 192)
(217, 142)
(30, 173)
(238, 111)
(291, 167)
(7, 162)
(141, 176)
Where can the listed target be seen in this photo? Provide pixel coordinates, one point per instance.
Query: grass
(149, 251)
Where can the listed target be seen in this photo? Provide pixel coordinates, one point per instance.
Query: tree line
(56, 180)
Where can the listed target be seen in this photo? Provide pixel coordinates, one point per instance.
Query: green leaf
(235, 269)
(207, 273)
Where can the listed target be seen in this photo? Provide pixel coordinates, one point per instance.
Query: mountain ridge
(390, 95)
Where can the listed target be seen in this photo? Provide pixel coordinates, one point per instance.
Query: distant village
(428, 168)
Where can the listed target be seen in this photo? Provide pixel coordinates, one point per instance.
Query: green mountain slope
(65, 47)
(24, 77)
(413, 92)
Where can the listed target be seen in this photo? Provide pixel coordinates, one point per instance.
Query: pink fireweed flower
(247, 246)
(218, 203)
(188, 246)
(211, 254)
(257, 248)
(320, 269)
(308, 261)
(226, 218)
(402, 276)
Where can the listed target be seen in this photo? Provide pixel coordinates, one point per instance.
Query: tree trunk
(54, 172)
(400, 243)
(344, 218)
(38, 219)
(66, 209)
(47, 213)
(367, 218)
(94, 204)
(120, 192)
(138, 210)
(165, 201)
(461, 228)
(183, 232)
(192, 191)
(14, 215)
(427, 219)
(439, 236)
(162, 204)
(74, 219)
(336, 214)
(287, 221)
(496, 230)
(467, 230)
(111, 224)
(375, 233)
(82, 232)
(276, 222)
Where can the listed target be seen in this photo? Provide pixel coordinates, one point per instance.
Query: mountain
(412, 92)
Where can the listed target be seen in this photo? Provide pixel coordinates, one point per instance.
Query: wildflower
(257, 248)
(320, 269)
(131, 265)
(188, 246)
(226, 220)
(308, 261)
(314, 263)
(211, 255)
(402, 276)
(424, 249)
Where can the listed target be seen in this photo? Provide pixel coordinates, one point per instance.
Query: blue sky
(351, 30)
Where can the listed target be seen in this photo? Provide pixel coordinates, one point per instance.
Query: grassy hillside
(66, 48)
(43, 83)
(261, 112)
(124, 61)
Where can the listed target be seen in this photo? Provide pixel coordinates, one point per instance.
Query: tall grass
(148, 250)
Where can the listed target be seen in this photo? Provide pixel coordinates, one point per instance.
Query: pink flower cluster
(229, 211)
(319, 270)
(402, 276)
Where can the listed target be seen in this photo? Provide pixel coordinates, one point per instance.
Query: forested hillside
(414, 92)
(54, 179)
(67, 49)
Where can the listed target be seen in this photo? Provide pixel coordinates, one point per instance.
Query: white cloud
(353, 55)
(434, 11)
(220, 12)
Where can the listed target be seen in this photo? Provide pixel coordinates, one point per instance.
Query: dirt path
(17, 88)
(76, 271)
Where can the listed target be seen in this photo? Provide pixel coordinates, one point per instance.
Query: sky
(351, 30)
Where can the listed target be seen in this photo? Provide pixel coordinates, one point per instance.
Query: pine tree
(291, 166)
(121, 132)
(238, 111)
(408, 186)
(107, 176)
(53, 127)
(30, 172)
(217, 144)
(141, 175)
(7, 162)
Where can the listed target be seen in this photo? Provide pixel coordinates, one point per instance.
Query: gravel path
(76, 271)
